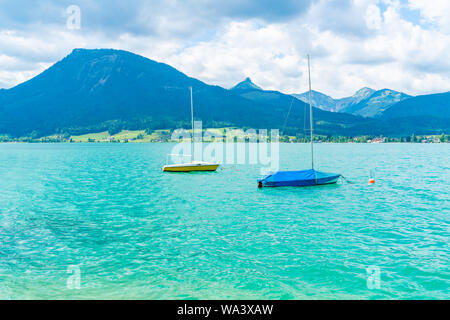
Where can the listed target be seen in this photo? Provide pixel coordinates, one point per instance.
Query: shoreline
(219, 135)
(207, 142)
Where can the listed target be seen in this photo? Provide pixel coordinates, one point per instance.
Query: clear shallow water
(136, 232)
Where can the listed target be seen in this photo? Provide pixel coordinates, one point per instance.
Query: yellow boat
(192, 166)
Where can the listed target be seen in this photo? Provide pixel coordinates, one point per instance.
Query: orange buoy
(371, 181)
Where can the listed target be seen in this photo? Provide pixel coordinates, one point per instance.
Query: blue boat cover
(298, 178)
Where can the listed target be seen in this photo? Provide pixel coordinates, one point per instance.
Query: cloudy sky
(399, 44)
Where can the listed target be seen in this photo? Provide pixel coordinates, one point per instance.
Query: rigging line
(287, 116)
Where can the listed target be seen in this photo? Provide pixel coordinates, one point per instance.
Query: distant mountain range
(294, 111)
(375, 104)
(348, 102)
(365, 102)
(105, 89)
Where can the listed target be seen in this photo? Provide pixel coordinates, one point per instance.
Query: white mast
(192, 124)
(310, 116)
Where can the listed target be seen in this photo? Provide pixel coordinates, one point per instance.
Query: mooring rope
(227, 168)
(346, 180)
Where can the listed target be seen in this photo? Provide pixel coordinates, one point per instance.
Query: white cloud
(373, 17)
(266, 54)
(352, 43)
(396, 55)
(436, 12)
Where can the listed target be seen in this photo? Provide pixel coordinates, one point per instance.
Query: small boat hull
(189, 167)
(305, 178)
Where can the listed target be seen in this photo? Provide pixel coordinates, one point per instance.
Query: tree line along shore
(155, 136)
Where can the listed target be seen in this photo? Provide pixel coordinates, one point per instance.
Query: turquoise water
(136, 232)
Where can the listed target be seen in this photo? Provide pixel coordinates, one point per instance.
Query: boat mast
(310, 117)
(192, 124)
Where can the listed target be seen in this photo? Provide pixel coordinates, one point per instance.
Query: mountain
(366, 102)
(296, 114)
(318, 100)
(360, 95)
(105, 89)
(376, 103)
(325, 102)
(343, 123)
(245, 85)
(431, 105)
(90, 90)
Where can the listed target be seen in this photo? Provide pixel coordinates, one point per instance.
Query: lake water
(134, 232)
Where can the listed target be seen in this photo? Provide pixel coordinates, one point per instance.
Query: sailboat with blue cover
(303, 178)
